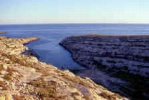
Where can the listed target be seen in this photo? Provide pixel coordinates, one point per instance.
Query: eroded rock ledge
(126, 53)
(25, 78)
(124, 57)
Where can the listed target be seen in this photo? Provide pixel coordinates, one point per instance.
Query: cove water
(48, 48)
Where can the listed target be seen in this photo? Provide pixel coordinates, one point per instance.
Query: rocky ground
(23, 77)
(124, 58)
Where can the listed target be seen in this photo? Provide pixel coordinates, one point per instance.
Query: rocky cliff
(123, 57)
(23, 77)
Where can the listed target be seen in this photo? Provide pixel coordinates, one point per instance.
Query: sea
(48, 50)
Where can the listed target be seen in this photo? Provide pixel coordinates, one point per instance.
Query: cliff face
(25, 78)
(124, 57)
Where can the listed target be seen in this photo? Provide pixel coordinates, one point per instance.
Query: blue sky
(74, 11)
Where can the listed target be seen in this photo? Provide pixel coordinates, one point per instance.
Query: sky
(73, 11)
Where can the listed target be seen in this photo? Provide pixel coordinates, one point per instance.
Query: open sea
(48, 48)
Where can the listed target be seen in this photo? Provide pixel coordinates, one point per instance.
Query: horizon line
(70, 23)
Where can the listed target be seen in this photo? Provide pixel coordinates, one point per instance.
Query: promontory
(124, 59)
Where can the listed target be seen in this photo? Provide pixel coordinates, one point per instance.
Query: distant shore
(2, 32)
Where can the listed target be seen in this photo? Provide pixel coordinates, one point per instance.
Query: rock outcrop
(2, 32)
(124, 57)
(23, 77)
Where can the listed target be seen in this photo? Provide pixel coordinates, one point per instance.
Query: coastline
(2, 32)
(38, 80)
(84, 48)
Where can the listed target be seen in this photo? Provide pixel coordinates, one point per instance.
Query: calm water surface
(48, 48)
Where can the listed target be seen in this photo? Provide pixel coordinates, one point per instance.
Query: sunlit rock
(23, 77)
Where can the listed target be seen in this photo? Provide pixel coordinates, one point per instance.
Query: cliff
(23, 77)
(122, 57)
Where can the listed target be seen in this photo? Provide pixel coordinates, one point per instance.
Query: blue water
(48, 48)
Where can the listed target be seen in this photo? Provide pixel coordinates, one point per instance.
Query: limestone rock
(26, 78)
(123, 57)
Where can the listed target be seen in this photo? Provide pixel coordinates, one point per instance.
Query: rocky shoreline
(2, 32)
(24, 77)
(122, 57)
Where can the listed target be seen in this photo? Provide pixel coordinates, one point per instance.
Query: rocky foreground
(122, 57)
(25, 78)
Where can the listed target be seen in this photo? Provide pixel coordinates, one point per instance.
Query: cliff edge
(25, 78)
(124, 59)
